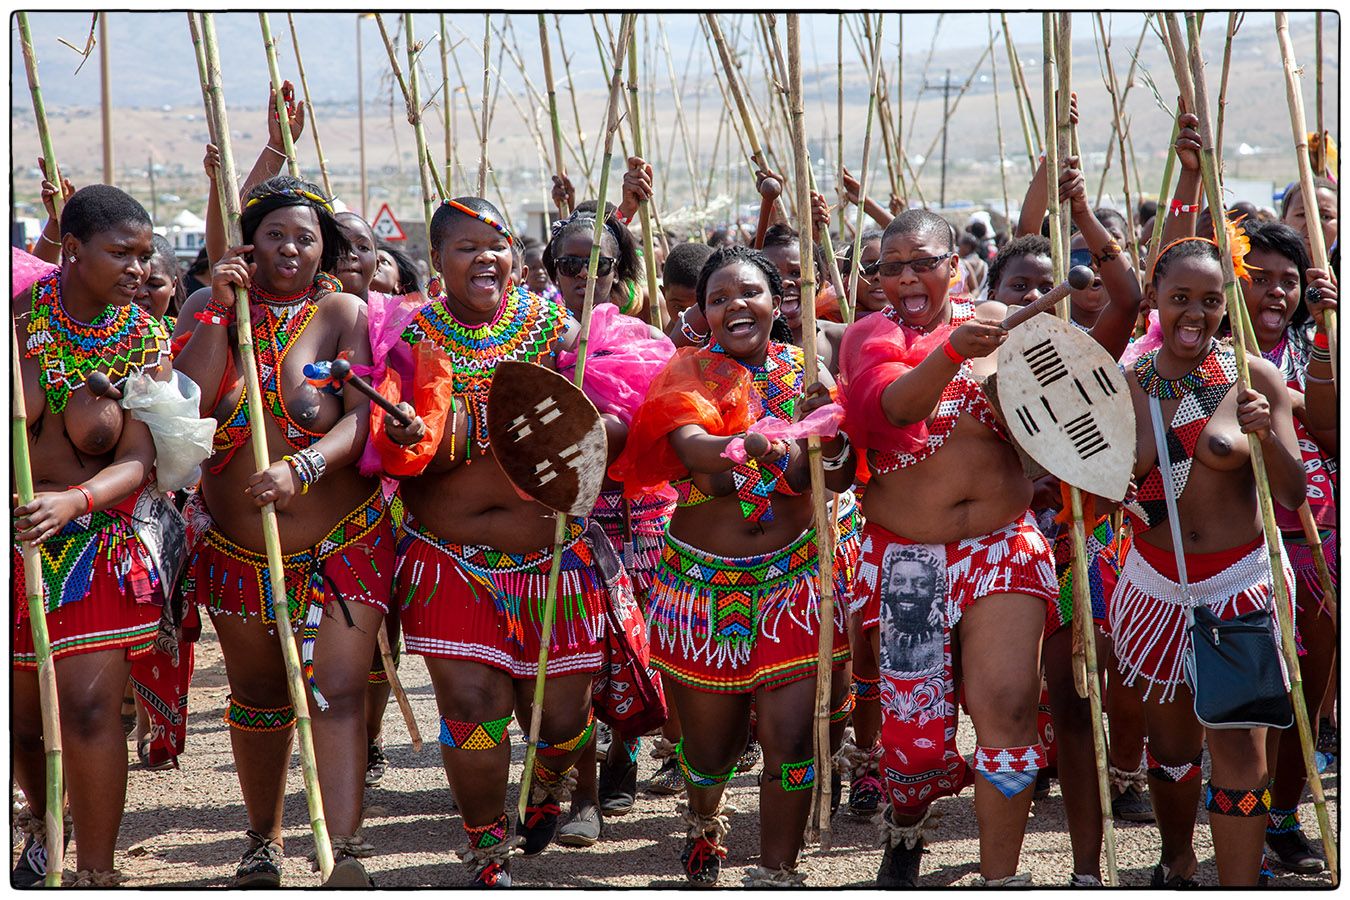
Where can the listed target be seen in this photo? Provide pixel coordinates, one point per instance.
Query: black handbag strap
(1170, 494)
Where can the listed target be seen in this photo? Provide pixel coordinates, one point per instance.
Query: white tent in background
(187, 232)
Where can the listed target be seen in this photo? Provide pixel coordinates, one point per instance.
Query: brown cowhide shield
(1066, 403)
(547, 437)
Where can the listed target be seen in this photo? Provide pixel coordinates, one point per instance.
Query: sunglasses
(574, 266)
(1081, 258)
(920, 266)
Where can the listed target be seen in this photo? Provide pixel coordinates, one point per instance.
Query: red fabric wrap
(874, 353)
(431, 397)
(697, 387)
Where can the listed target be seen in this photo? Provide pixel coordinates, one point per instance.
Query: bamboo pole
(923, 76)
(274, 71)
(675, 93)
(654, 305)
(1316, 240)
(295, 683)
(1026, 113)
(586, 163)
(846, 306)
(893, 167)
(826, 245)
(1120, 123)
(1160, 217)
(105, 93)
(411, 100)
(1191, 81)
(483, 109)
(1058, 64)
(309, 107)
(998, 118)
(825, 537)
(1233, 19)
(34, 588)
(1322, 154)
(839, 157)
(361, 117)
(559, 168)
(900, 104)
(626, 28)
(1118, 113)
(448, 111)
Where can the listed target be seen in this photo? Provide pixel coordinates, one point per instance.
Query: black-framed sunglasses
(920, 266)
(575, 266)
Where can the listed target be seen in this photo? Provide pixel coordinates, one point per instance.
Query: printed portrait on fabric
(913, 594)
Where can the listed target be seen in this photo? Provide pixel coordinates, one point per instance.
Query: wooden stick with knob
(295, 682)
(1191, 81)
(626, 28)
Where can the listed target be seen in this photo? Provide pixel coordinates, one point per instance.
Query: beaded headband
(482, 217)
(1239, 245)
(611, 224)
(293, 192)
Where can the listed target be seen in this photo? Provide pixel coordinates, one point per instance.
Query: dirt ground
(184, 827)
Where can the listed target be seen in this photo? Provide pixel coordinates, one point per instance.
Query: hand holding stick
(341, 370)
(1080, 279)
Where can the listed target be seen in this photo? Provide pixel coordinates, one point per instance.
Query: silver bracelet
(280, 153)
(42, 236)
(309, 465)
(836, 462)
(1310, 378)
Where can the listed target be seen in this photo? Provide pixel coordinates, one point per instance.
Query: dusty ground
(184, 828)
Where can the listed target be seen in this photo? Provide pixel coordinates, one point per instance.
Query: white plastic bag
(171, 411)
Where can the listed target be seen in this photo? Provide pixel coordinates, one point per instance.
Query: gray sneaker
(583, 829)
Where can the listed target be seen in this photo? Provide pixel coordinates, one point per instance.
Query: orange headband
(1239, 245)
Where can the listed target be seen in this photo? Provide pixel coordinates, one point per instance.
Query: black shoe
(376, 764)
(1132, 805)
(347, 872)
(836, 790)
(618, 789)
(31, 869)
(539, 826)
(702, 859)
(260, 866)
(900, 866)
(1328, 736)
(667, 780)
(1161, 879)
(1292, 852)
(864, 795)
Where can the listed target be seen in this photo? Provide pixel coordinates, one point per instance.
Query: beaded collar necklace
(1146, 370)
(123, 339)
(779, 380)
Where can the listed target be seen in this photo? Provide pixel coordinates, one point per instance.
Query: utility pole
(946, 119)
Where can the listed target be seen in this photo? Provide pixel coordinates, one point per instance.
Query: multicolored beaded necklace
(124, 339)
(524, 328)
(1146, 370)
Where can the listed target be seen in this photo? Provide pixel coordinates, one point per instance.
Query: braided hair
(729, 256)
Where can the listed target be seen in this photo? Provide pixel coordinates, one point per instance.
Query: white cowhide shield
(1067, 404)
(547, 437)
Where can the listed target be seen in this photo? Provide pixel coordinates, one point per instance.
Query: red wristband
(1321, 340)
(1178, 207)
(955, 357)
(88, 497)
(618, 214)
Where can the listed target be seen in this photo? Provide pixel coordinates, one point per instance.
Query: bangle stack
(308, 465)
(215, 314)
(836, 462)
